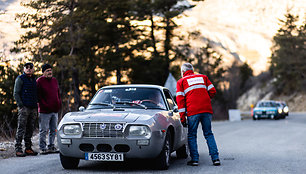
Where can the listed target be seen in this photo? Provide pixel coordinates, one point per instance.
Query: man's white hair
(186, 66)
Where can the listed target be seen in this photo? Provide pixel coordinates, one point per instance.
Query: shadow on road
(131, 165)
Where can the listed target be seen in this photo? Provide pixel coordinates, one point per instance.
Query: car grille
(103, 130)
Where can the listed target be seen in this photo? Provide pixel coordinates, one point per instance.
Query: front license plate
(104, 156)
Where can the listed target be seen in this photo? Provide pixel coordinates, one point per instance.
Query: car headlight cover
(72, 129)
(280, 110)
(286, 109)
(139, 131)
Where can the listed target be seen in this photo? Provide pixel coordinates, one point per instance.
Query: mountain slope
(238, 28)
(243, 29)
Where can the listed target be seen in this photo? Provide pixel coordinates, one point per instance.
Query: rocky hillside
(9, 28)
(265, 91)
(243, 29)
(240, 29)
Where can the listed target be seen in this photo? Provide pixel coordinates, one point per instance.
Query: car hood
(108, 115)
(265, 109)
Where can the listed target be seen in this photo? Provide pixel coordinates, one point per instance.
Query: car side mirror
(81, 108)
(175, 109)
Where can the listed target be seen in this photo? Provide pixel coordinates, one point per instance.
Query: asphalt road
(263, 146)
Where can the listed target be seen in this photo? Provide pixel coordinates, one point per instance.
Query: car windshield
(127, 97)
(279, 105)
(266, 104)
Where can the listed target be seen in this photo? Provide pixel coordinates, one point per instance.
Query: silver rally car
(122, 122)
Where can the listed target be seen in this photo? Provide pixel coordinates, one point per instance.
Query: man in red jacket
(193, 95)
(49, 103)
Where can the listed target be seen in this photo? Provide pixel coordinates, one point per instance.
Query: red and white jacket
(193, 94)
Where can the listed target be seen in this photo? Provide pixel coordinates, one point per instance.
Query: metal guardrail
(245, 115)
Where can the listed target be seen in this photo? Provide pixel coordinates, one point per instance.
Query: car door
(180, 132)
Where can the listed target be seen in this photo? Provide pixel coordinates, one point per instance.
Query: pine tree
(288, 56)
(8, 107)
(155, 67)
(246, 73)
(88, 41)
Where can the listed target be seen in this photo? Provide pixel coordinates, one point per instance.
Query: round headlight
(279, 110)
(139, 131)
(72, 129)
(286, 109)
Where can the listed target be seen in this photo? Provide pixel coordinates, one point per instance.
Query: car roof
(135, 86)
(265, 101)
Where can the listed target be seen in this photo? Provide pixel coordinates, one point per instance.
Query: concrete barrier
(234, 115)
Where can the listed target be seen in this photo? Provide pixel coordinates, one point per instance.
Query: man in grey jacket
(25, 94)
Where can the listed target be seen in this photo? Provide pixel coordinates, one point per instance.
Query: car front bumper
(129, 147)
(270, 116)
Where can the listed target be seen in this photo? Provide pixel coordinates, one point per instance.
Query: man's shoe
(20, 154)
(216, 162)
(53, 150)
(30, 152)
(193, 163)
(43, 152)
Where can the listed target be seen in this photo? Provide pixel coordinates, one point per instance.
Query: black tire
(69, 162)
(254, 118)
(163, 160)
(182, 152)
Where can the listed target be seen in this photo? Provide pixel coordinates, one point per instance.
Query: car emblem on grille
(102, 126)
(118, 126)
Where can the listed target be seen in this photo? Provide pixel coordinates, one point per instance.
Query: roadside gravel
(7, 147)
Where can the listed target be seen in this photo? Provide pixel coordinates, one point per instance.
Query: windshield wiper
(131, 103)
(104, 104)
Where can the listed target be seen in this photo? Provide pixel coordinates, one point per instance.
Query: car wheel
(69, 162)
(163, 159)
(254, 118)
(182, 152)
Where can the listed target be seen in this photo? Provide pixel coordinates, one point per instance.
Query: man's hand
(183, 121)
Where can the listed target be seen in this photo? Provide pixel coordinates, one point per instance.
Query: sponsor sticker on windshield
(130, 89)
(108, 91)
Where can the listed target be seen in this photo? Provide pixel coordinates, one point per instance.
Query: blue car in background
(268, 109)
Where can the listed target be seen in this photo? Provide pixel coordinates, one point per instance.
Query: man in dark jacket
(49, 103)
(25, 94)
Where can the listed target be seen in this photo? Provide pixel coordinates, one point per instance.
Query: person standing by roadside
(49, 103)
(25, 94)
(193, 96)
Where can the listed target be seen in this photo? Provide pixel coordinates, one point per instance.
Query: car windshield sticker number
(118, 126)
(108, 91)
(195, 80)
(130, 89)
(102, 126)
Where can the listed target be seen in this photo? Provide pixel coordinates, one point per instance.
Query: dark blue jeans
(193, 123)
